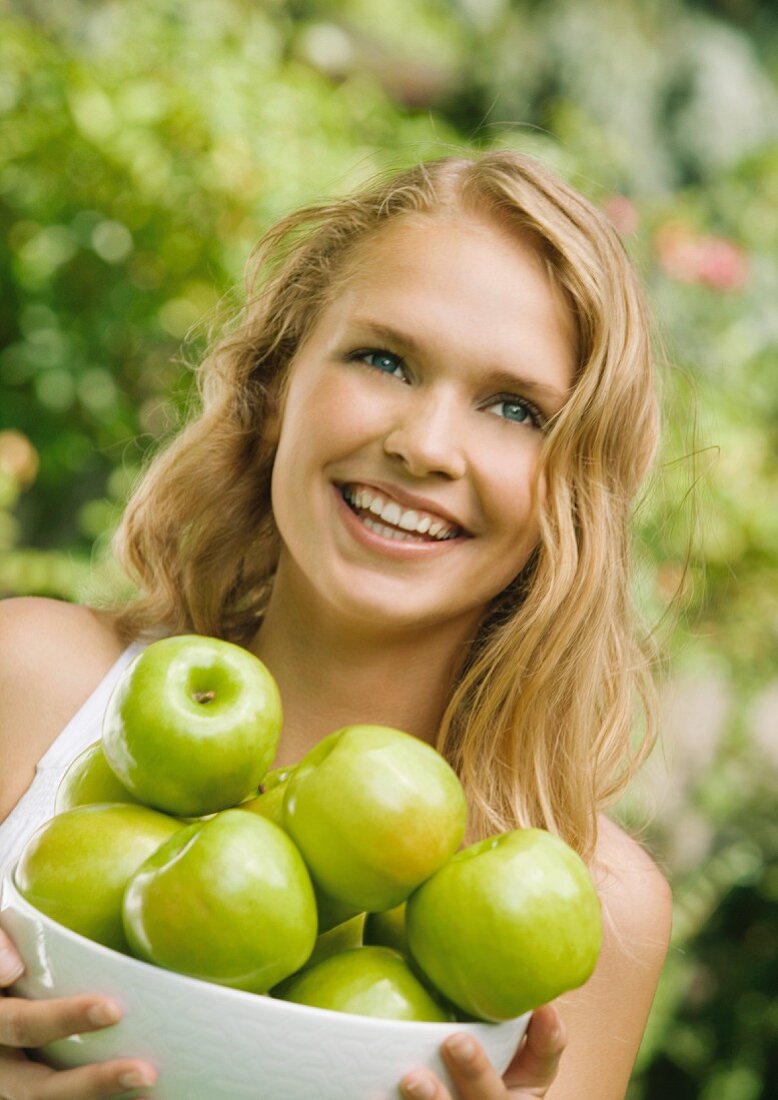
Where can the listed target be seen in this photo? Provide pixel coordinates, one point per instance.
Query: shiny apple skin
(228, 901)
(269, 802)
(331, 912)
(337, 939)
(387, 929)
(76, 866)
(89, 779)
(375, 812)
(507, 925)
(365, 981)
(190, 757)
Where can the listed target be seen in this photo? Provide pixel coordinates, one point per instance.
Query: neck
(333, 672)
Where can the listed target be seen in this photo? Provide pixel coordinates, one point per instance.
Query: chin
(387, 616)
(392, 612)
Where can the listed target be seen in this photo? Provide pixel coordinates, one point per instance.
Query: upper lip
(410, 500)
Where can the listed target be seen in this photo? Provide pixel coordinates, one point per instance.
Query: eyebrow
(497, 376)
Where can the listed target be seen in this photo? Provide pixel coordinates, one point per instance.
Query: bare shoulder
(607, 1016)
(34, 629)
(53, 655)
(635, 894)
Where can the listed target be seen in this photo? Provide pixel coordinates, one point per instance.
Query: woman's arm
(606, 1018)
(52, 656)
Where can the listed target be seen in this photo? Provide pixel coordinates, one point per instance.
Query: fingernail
(11, 966)
(137, 1079)
(422, 1088)
(461, 1048)
(104, 1013)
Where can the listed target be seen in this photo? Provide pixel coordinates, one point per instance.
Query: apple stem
(204, 696)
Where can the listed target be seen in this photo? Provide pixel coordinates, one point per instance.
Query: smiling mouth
(387, 529)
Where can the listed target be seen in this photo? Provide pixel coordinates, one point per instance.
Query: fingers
(21, 1078)
(473, 1074)
(11, 963)
(422, 1085)
(34, 1023)
(537, 1059)
(530, 1074)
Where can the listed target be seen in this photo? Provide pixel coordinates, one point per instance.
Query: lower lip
(392, 548)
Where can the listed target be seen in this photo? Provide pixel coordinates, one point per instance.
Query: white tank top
(37, 803)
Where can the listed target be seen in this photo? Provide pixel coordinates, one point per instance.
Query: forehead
(464, 285)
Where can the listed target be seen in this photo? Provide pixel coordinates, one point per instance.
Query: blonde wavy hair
(540, 725)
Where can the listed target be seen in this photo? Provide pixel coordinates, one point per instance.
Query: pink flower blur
(698, 258)
(622, 213)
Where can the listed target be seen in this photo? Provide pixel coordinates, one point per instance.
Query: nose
(427, 438)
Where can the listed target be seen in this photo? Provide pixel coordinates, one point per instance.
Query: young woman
(408, 492)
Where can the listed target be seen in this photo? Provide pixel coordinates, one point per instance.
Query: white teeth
(392, 513)
(390, 532)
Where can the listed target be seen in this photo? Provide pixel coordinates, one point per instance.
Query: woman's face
(436, 425)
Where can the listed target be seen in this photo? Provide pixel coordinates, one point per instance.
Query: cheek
(512, 512)
(334, 417)
(512, 493)
(326, 419)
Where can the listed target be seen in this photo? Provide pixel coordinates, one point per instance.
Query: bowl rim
(479, 1028)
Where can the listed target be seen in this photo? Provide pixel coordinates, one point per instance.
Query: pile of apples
(338, 882)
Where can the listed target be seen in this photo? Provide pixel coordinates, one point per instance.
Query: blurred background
(144, 146)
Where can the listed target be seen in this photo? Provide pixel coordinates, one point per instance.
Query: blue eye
(518, 410)
(385, 361)
(391, 362)
(515, 411)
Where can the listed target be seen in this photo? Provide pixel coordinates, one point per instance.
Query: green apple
(269, 803)
(193, 725)
(387, 929)
(365, 981)
(374, 812)
(332, 912)
(89, 779)
(227, 900)
(76, 866)
(337, 939)
(506, 925)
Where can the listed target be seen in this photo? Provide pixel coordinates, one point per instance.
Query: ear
(271, 422)
(271, 428)
(274, 404)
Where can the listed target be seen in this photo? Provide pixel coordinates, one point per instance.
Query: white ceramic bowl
(213, 1043)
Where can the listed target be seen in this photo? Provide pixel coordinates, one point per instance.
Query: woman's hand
(33, 1023)
(528, 1077)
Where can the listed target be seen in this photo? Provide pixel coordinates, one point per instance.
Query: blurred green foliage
(145, 145)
